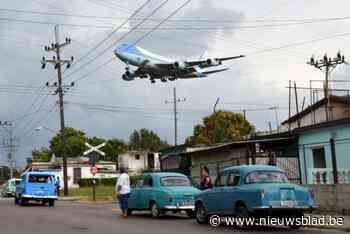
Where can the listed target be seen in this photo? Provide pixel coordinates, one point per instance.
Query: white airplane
(154, 66)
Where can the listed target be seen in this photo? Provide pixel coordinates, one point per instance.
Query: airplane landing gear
(163, 79)
(153, 81)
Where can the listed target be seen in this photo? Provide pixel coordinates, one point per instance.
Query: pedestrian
(205, 179)
(123, 190)
(58, 185)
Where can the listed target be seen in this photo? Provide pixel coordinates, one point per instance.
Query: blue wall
(320, 137)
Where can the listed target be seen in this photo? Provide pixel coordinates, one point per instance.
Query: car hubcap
(154, 210)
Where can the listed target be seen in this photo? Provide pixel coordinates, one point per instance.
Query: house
(77, 168)
(277, 150)
(137, 161)
(338, 108)
(324, 152)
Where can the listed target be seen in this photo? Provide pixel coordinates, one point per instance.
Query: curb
(68, 199)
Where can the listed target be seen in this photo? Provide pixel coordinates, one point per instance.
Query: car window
(266, 177)
(220, 180)
(43, 179)
(233, 179)
(17, 182)
(148, 181)
(169, 181)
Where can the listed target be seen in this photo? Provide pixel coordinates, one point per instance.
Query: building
(77, 168)
(338, 108)
(136, 161)
(278, 150)
(324, 149)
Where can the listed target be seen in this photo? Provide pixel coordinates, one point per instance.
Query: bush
(87, 182)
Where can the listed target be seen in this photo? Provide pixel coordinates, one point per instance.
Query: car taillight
(312, 193)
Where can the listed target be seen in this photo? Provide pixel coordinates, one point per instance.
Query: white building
(77, 168)
(137, 161)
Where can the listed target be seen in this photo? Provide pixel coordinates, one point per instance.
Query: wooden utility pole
(289, 105)
(60, 90)
(296, 103)
(327, 65)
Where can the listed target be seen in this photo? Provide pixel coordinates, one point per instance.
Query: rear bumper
(273, 209)
(188, 207)
(39, 197)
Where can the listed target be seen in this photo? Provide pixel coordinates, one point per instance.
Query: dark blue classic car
(253, 190)
(36, 186)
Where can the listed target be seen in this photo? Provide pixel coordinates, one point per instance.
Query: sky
(278, 37)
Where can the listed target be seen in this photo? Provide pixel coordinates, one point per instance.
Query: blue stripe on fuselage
(129, 49)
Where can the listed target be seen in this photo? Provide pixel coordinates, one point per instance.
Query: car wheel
(191, 213)
(241, 211)
(201, 215)
(155, 212)
(52, 203)
(16, 200)
(23, 201)
(129, 211)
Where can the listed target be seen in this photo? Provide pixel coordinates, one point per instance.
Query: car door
(229, 193)
(134, 200)
(146, 192)
(214, 196)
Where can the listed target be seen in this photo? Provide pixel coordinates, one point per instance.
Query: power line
(121, 38)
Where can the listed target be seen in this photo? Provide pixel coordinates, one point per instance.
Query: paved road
(76, 218)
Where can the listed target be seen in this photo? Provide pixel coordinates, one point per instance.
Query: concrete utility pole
(327, 65)
(175, 101)
(10, 145)
(60, 90)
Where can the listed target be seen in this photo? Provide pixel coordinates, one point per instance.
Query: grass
(103, 193)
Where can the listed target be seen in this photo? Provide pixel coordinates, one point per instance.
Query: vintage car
(161, 191)
(36, 186)
(257, 190)
(10, 187)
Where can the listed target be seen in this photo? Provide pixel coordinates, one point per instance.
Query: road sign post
(93, 152)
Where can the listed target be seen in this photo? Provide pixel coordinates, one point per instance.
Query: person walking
(123, 190)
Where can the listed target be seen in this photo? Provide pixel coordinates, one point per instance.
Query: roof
(249, 168)
(164, 174)
(337, 99)
(328, 124)
(40, 173)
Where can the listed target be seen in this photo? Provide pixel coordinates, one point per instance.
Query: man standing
(123, 190)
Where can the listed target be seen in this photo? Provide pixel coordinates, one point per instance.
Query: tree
(146, 140)
(74, 143)
(219, 127)
(42, 155)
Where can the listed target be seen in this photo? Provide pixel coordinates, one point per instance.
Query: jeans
(123, 200)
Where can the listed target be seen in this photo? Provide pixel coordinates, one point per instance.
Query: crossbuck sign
(95, 149)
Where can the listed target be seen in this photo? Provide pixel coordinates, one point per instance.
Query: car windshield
(266, 177)
(40, 179)
(175, 181)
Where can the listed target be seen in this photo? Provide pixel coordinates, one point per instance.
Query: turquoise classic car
(10, 187)
(159, 192)
(253, 190)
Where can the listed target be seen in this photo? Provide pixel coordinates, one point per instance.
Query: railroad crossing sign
(93, 151)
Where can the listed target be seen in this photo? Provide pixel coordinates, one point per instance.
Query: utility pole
(327, 65)
(174, 102)
(275, 108)
(10, 145)
(60, 90)
(296, 103)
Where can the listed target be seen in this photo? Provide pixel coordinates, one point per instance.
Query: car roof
(164, 174)
(40, 173)
(249, 168)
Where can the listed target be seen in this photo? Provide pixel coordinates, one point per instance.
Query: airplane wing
(211, 62)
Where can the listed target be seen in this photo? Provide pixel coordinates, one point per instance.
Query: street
(73, 217)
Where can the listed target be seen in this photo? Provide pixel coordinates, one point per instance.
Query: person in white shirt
(123, 190)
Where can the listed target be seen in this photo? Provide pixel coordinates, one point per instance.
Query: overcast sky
(270, 33)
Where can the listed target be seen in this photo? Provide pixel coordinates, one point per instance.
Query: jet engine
(213, 62)
(179, 65)
(129, 76)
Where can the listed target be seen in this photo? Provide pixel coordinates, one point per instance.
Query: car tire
(129, 212)
(23, 201)
(191, 213)
(16, 200)
(241, 211)
(51, 203)
(155, 211)
(200, 213)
